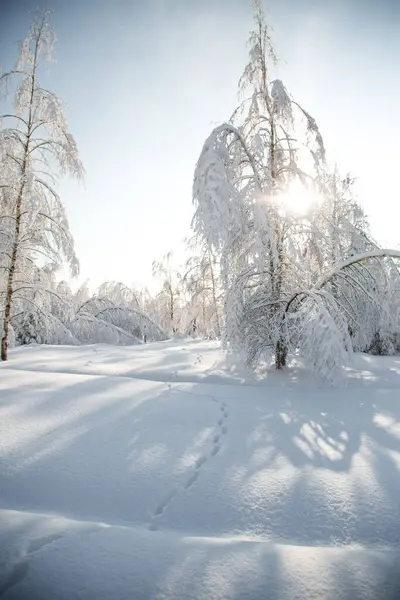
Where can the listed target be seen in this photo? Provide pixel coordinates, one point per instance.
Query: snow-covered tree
(340, 230)
(120, 294)
(203, 286)
(169, 299)
(275, 261)
(339, 226)
(246, 168)
(44, 313)
(113, 315)
(35, 147)
(81, 295)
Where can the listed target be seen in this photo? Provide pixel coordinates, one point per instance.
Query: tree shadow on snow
(338, 453)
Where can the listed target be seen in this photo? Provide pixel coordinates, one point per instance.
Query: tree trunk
(281, 352)
(171, 308)
(10, 278)
(7, 314)
(203, 306)
(218, 328)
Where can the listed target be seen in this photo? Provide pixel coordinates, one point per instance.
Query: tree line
(266, 275)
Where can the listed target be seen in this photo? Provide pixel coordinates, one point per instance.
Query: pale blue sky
(145, 81)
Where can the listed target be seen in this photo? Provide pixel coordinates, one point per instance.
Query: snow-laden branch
(358, 258)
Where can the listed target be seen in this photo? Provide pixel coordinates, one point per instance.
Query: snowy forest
(281, 262)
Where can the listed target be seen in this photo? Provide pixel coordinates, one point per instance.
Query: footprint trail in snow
(194, 475)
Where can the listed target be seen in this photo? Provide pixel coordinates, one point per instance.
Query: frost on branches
(35, 240)
(114, 315)
(202, 282)
(35, 147)
(169, 300)
(271, 257)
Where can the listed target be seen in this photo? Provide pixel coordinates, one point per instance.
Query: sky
(145, 81)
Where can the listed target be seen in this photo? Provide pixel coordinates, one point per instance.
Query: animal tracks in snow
(160, 508)
(199, 359)
(215, 450)
(201, 460)
(191, 479)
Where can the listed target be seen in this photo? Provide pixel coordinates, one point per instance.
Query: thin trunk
(203, 306)
(276, 267)
(281, 350)
(18, 215)
(171, 308)
(281, 353)
(275, 264)
(218, 332)
(334, 247)
(10, 278)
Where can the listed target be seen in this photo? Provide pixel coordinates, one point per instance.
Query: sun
(299, 200)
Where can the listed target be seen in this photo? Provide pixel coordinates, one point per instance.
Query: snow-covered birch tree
(100, 320)
(273, 259)
(35, 148)
(244, 171)
(169, 298)
(117, 309)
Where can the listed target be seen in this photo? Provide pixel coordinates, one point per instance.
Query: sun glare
(299, 200)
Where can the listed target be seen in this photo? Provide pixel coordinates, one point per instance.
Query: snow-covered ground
(163, 471)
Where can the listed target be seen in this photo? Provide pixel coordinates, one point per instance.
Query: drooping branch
(358, 258)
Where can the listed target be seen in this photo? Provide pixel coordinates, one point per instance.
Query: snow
(165, 471)
(354, 259)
